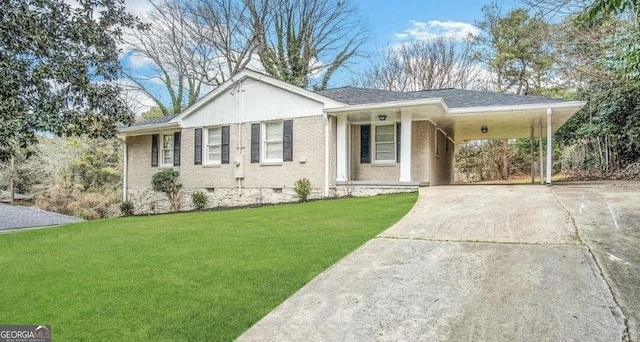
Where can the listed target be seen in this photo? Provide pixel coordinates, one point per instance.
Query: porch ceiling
(501, 125)
(464, 124)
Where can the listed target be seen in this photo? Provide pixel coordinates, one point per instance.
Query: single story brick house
(250, 139)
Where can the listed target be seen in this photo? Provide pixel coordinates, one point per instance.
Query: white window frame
(374, 144)
(161, 150)
(207, 144)
(266, 142)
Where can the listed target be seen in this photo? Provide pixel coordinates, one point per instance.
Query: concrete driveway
(479, 263)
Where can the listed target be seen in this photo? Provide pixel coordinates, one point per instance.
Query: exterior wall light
(382, 117)
(484, 129)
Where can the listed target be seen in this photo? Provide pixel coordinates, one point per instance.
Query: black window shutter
(255, 143)
(154, 150)
(365, 144)
(398, 142)
(176, 149)
(197, 147)
(287, 140)
(225, 144)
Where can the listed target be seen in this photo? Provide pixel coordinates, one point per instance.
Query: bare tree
(299, 39)
(191, 46)
(554, 9)
(223, 29)
(422, 65)
(172, 58)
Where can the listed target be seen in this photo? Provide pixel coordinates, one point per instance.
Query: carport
(422, 120)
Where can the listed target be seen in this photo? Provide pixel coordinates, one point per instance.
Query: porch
(412, 142)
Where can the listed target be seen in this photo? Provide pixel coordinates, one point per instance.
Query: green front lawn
(195, 276)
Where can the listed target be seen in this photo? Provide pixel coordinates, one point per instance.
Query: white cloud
(135, 98)
(139, 7)
(434, 29)
(137, 61)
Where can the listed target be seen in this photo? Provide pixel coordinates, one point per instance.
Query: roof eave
(139, 130)
(538, 106)
(386, 105)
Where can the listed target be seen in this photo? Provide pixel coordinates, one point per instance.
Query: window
(167, 149)
(272, 141)
(384, 143)
(213, 146)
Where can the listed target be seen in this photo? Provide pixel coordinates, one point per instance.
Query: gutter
(139, 130)
(454, 111)
(513, 108)
(388, 105)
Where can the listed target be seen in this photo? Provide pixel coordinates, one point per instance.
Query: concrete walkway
(468, 263)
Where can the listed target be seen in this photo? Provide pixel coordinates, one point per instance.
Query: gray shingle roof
(454, 98)
(355, 96)
(153, 121)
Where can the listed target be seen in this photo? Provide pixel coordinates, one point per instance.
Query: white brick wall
(267, 183)
(426, 166)
(369, 171)
(264, 183)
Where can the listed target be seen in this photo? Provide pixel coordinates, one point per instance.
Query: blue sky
(394, 22)
(386, 18)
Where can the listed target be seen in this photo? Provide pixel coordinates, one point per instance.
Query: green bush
(167, 181)
(126, 208)
(199, 200)
(302, 188)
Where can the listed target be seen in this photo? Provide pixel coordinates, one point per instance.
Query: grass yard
(204, 276)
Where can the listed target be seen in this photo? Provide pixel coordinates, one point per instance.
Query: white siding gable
(259, 101)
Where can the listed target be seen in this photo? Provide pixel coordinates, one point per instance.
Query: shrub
(89, 205)
(199, 200)
(167, 181)
(126, 208)
(302, 188)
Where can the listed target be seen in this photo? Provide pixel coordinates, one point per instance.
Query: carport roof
(454, 98)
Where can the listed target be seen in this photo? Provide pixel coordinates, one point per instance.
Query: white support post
(549, 145)
(540, 153)
(533, 166)
(342, 153)
(327, 146)
(405, 147)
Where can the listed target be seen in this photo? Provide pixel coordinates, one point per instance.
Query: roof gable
(241, 76)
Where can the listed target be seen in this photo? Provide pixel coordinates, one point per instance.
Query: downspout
(239, 154)
(327, 127)
(240, 131)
